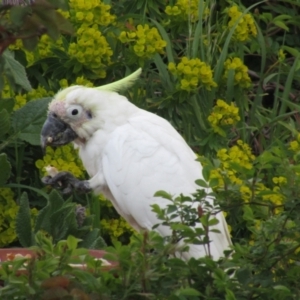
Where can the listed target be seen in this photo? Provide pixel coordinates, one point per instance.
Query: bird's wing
(144, 156)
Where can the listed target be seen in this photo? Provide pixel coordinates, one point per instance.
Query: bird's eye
(74, 111)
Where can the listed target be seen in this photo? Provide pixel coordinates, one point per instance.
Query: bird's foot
(66, 182)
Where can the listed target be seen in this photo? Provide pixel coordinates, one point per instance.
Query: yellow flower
(245, 28)
(64, 158)
(246, 193)
(8, 213)
(223, 115)
(279, 180)
(185, 10)
(91, 48)
(145, 41)
(294, 145)
(192, 73)
(241, 77)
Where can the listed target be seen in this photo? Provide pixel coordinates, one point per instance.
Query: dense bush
(224, 73)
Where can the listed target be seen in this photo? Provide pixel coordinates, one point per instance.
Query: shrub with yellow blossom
(241, 76)
(245, 28)
(239, 154)
(294, 145)
(192, 73)
(145, 41)
(64, 158)
(89, 12)
(116, 227)
(184, 10)
(223, 115)
(91, 49)
(39, 92)
(8, 214)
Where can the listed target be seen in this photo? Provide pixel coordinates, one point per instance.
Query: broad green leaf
(18, 14)
(280, 24)
(72, 242)
(5, 168)
(281, 288)
(93, 240)
(248, 213)
(23, 222)
(17, 70)
(229, 295)
(213, 222)
(163, 194)
(4, 122)
(188, 292)
(43, 222)
(292, 51)
(28, 120)
(7, 104)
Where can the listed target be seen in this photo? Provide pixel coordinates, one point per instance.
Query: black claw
(67, 183)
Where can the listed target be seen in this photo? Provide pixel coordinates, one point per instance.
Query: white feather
(132, 154)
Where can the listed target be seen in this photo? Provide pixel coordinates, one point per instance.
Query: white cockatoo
(129, 154)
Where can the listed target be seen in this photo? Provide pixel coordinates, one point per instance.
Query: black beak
(56, 132)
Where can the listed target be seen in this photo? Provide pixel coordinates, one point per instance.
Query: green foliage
(58, 219)
(12, 68)
(5, 167)
(50, 272)
(27, 121)
(23, 222)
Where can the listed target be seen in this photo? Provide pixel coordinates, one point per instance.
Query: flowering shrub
(145, 41)
(192, 73)
(64, 158)
(245, 28)
(241, 76)
(223, 115)
(184, 10)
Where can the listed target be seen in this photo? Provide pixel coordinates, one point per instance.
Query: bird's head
(73, 114)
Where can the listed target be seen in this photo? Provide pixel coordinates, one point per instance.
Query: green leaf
(28, 120)
(16, 70)
(55, 202)
(213, 222)
(163, 194)
(243, 275)
(5, 168)
(7, 104)
(30, 43)
(248, 213)
(23, 222)
(292, 51)
(201, 183)
(280, 24)
(47, 16)
(4, 122)
(72, 242)
(281, 288)
(93, 240)
(18, 14)
(229, 295)
(188, 292)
